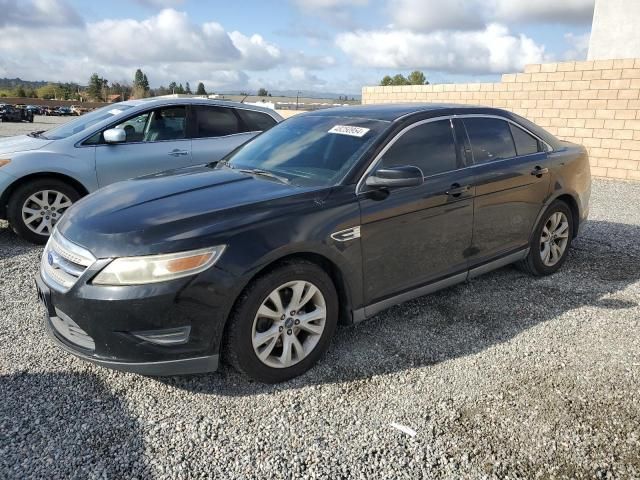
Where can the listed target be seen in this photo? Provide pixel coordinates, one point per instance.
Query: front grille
(63, 262)
(71, 331)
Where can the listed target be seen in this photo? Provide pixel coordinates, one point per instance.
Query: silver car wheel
(289, 324)
(554, 239)
(42, 210)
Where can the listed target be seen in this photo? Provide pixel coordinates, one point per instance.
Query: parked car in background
(35, 109)
(12, 113)
(77, 110)
(335, 214)
(43, 173)
(64, 111)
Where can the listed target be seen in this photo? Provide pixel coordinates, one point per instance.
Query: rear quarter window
(526, 144)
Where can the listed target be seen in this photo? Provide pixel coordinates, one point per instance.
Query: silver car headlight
(158, 268)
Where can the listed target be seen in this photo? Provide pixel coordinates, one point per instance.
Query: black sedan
(10, 113)
(331, 216)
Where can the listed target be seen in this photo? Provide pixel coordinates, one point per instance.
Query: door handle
(456, 190)
(539, 171)
(178, 153)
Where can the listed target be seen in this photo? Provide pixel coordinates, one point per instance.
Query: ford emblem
(50, 258)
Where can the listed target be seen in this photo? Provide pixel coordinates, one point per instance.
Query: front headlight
(157, 268)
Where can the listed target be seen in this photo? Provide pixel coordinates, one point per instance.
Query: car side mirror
(115, 135)
(396, 177)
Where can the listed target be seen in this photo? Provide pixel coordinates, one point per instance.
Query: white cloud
(433, 15)
(428, 15)
(492, 50)
(168, 46)
(38, 13)
(578, 46)
(551, 11)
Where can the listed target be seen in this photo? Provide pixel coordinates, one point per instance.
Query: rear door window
(215, 122)
(490, 138)
(256, 121)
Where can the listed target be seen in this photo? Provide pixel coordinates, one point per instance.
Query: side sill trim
(371, 310)
(500, 262)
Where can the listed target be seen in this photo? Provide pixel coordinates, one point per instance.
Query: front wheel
(35, 207)
(551, 241)
(282, 323)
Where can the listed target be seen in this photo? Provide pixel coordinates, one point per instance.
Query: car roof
(171, 100)
(392, 112)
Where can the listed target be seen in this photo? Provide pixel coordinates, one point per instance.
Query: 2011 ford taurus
(42, 174)
(329, 216)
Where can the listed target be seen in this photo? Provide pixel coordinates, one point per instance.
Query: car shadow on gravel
(465, 319)
(11, 245)
(66, 425)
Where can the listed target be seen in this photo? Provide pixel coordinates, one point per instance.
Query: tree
(95, 87)
(172, 87)
(200, 90)
(417, 78)
(263, 92)
(180, 89)
(140, 84)
(386, 81)
(187, 89)
(19, 92)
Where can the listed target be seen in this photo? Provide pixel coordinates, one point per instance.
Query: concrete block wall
(594, 103)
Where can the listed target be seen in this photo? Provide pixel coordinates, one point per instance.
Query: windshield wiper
(37, 133)
(264, 173)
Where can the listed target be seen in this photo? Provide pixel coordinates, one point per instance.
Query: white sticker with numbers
(351, 131)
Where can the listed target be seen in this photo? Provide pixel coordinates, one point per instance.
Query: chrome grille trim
(63, 262)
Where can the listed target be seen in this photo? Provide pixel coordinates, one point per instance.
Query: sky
(333, 46)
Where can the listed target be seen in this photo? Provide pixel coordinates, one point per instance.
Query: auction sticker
(351, 131)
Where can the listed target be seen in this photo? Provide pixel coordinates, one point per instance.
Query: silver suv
(44, 173)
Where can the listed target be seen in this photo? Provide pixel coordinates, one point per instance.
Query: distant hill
(15, 82)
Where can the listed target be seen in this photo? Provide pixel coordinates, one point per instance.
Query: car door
(414, 236)
(512, 182)
(218, 130)
(156, 140)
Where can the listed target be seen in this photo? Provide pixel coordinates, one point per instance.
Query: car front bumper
(110, 326)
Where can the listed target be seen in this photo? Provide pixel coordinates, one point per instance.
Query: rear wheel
(282, 323)
(35, 207)
(551, 241)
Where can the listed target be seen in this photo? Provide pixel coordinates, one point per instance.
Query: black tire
(20, 196)
(533, 263)
(237, 345)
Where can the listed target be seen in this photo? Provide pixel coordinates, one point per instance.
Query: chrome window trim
(78, 144)
(498, 117)
(451, 117)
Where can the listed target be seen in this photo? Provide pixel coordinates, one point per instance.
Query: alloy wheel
(289, 324)
(42, 210)
(554, 239)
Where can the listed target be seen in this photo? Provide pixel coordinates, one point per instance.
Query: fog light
(168, 336)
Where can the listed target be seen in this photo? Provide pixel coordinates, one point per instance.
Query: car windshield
(308, 150)
(83, 122)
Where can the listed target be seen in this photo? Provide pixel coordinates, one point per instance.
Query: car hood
(21, 143)
(176, 210)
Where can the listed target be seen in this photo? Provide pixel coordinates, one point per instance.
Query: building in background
(614, 33)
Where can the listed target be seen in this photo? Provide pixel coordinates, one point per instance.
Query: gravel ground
(506, 376)
(40, 122)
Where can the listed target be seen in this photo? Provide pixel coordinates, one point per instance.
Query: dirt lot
(506, 376)
(40, 122)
